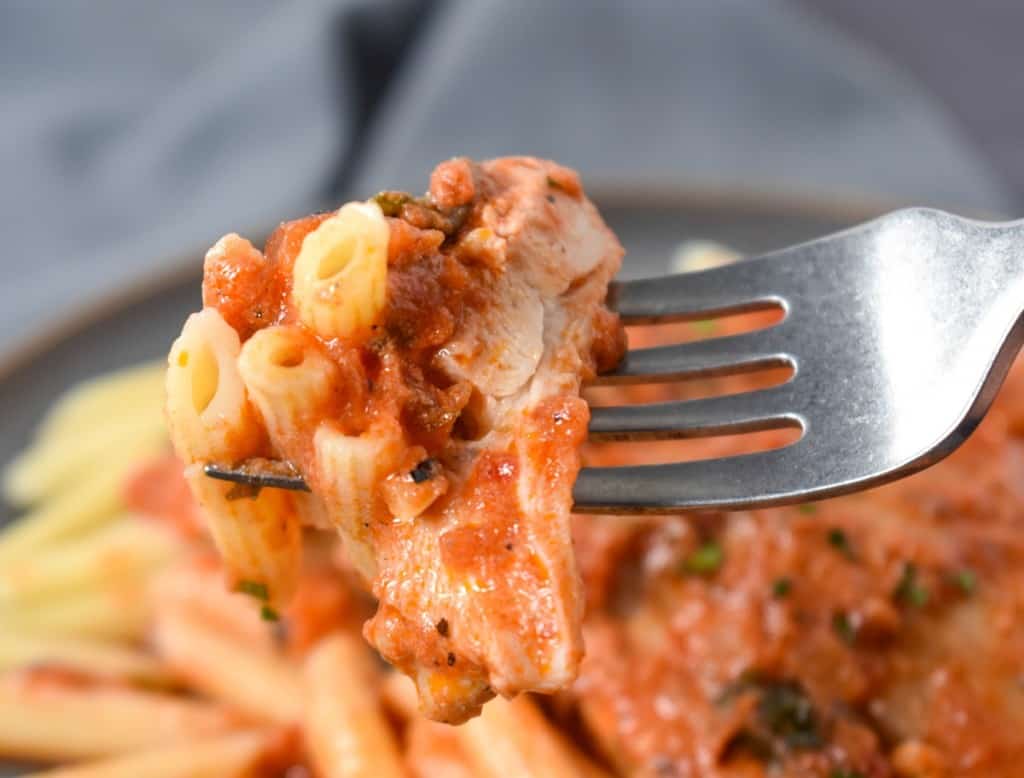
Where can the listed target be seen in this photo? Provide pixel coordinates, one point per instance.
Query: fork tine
(746, 412)
(687, 296)
(715, 356)
(728, 483)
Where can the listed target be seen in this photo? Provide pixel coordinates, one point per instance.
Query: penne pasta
(259, 536)
(290, 382)
(117, 614)
(211, 419)
(61, 461)
(432, 750)
(51, 719)
(259, 683)
(229, 756)
(88, 504)
(125, 552)
(347, 734)
(135, 392)
(512, 739)
(340, 273)
(351, 469)
(208, 413)
(92, 657)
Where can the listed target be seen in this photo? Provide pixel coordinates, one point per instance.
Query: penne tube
(291, 382)
(60, 462)
(92, 657)
(258, 536)
(211, 419)
(122, 553)
(257, 682)
(237, 755)
(351, 469)
(432, 750)
(102, 615)
(512, 739)
(341, 272)
(86, 505)
(136, 391)
(53, 719)
(346, 731)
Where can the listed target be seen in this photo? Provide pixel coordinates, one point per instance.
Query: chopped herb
(704, 327)
(787, 712)
(838, 540)
(844, 627)
(705, 560)
(254, 589)
(424, 471)
(391, 202)
(451, 659)
(268, 614)
(966, 580)
(842, 772)
(554, 184)
(442, 627)
(781, 587)
(908, 590)
(807, 508)
(784, 713)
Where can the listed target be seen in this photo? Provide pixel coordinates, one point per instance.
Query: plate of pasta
(430, 607)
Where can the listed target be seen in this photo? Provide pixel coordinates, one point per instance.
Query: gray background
(132, 132)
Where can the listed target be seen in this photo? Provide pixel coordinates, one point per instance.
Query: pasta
(340, 276)
(348, 734)
(47, 719)
(211, 418)
(258, 683)
(229, 756)
(80, 654)
(290, 382)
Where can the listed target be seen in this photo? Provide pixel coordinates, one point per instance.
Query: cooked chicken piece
(466, 390)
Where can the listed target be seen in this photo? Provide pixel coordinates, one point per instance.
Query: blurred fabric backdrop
(134, 133)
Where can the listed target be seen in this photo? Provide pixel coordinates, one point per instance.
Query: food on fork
(418, 361)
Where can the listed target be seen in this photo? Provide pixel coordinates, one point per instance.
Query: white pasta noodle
(350, 469)
(234, 755)
(208, 413)
(289, 380)
(210, 418)
(340, 274)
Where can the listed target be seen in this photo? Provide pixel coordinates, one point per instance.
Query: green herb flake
(807, 508)
(705, 327)
(391, 202)
(844, 627)
(908, 590)
(840, 542)
(966, 580)
(554, 184)
(787, 713)
(781, 587)
(268, 614)
(254, 589)
(705, 560)
(842, 772)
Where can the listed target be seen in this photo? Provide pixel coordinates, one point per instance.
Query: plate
(139, 324)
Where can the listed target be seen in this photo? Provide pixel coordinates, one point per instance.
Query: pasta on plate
(874, 636)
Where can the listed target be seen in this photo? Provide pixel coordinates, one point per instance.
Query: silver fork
(899, 333)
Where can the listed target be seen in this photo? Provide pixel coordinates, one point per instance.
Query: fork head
(899, 333)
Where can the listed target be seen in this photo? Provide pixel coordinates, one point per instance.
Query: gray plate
(140, 324)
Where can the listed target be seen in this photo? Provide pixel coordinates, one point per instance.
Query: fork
(899, 333)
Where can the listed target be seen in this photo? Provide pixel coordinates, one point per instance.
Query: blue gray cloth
(134, 134)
